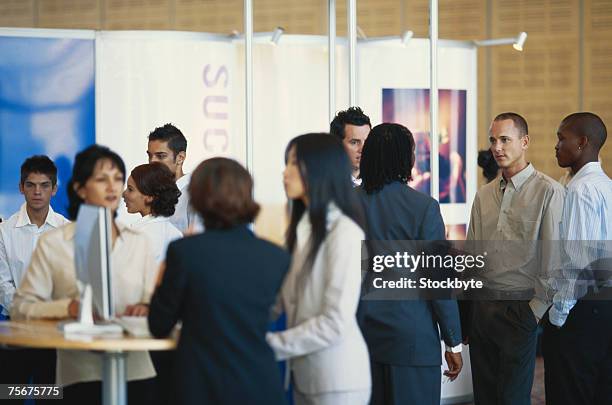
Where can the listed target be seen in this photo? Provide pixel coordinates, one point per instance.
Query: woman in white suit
(327, 355)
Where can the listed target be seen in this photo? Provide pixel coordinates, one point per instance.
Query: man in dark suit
(221, 284)
(402, 335)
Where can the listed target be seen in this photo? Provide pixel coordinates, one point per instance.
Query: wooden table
(41, 334)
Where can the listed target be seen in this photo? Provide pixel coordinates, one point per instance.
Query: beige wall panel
(598, 68)
(17, 13)
(376, 18)
(209, 16)
(536, 17)
(415, 17)
(137, 14)
(84, 14)
(296, 16)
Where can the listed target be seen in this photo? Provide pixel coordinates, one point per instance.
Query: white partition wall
(400, 75)
(147, 79)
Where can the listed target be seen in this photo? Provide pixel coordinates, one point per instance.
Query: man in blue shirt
(577, 341)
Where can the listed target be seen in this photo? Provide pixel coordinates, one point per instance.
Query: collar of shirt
(356, 181)
(183, 181)
(518, 179)
(589, 168)
(148, 219)
(24, 219)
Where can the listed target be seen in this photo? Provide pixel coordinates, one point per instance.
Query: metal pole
(114, 390)
(248, 80)
(331, 45)
(352, 40)
(433, 98)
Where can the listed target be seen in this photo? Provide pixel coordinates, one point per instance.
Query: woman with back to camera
(152, 192)
(49, 288)
(403, 336)
(221, 284)
(327, 354)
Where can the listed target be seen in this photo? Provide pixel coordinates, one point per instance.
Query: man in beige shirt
(510, 213)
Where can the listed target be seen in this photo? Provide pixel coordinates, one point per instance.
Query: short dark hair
(221, 191)
(519, 122)
(171, 134)
(352, 116)
(388, 156)
(84, 165)
(39, 164)
(157, 181)
(589, 125)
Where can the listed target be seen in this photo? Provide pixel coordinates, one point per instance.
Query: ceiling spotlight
(276, 34)
(517, 43)
(520, 41)
(361, 34)
(406, 37)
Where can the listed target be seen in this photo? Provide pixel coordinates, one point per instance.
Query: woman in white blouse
(49, 288)
(327, 355)
(152, 192)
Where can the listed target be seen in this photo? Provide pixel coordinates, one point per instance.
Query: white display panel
(147, 79)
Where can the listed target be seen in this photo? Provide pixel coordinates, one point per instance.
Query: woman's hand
(137, 310)
(73, 309)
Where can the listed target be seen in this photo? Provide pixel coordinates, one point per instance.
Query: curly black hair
(157, 181)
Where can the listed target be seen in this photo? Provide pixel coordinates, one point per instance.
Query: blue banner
(47, 106)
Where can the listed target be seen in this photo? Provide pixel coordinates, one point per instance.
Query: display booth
(62, 90)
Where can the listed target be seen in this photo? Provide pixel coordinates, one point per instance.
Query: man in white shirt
(18, 237)
(168, 145)
(577, 341)
(352, 128)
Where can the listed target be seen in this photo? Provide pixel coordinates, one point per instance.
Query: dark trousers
(164, 381)
(502, 352)
(578, 356)
(27, 366)
(138, 392)
(405, 385)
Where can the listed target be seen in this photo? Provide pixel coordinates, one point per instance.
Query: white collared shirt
(587, 217)
(184, 215)
(18, 238)
(160, 232)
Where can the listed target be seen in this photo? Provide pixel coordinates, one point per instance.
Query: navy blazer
(406, 332)
(221, 284)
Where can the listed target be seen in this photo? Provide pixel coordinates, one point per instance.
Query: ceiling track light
(404, 39)
(517, 43)
(273, 35)
(276, 35)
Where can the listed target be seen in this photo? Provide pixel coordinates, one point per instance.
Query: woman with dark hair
(403, 336)
(327, 354)
(49, 288)
(489, 166)
(221, 284)
(152, 192)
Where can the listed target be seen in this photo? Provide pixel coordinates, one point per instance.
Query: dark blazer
(221, 284)
(406, 332)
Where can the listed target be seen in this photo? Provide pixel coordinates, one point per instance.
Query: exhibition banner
(46, 105)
